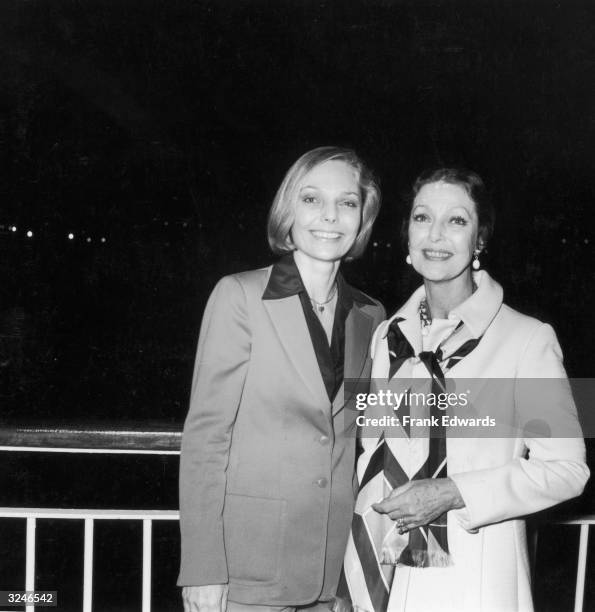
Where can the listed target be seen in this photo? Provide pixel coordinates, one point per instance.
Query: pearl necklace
(319, 306)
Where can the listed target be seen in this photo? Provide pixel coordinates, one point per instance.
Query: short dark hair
(282, 212)
(475, 188)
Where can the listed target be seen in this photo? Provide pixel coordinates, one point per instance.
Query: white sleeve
(554, 469)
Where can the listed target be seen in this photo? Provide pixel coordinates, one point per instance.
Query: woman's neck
(443, 297)
(318, 276)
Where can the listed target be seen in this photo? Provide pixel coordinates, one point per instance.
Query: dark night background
(164, 127)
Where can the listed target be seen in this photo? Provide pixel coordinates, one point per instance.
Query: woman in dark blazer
(267, 463)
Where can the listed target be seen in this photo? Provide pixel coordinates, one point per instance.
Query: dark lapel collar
(358, 328)
(282, 301)
(358, 332)
(284, 280)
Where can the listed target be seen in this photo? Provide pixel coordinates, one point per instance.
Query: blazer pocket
(254, 532)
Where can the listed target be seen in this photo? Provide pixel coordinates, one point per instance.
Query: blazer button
(322, 482)
(324, 440)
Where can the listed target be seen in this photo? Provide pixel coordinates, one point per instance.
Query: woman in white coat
(438, 521)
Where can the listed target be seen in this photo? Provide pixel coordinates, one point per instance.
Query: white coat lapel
(412, 331)
(410, 324)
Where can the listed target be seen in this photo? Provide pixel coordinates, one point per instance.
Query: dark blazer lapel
(289, 322)
(358, 332)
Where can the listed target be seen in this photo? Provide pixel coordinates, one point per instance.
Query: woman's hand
(419, 502)
(207, 598)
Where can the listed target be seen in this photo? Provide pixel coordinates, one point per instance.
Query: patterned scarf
(376, 542)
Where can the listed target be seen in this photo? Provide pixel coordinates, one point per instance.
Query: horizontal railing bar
(95, 451)
(98, 514)
(587, 519)
(170, 515)
(103, 435)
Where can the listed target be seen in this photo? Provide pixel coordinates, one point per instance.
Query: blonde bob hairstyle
(282, 213)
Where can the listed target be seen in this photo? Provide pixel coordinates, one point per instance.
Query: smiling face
(443, 232)
(328, 211)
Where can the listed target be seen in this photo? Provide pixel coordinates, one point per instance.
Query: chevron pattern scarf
(375, 542)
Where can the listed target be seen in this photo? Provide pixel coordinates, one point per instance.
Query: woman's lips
(436, 255)
(321, 235)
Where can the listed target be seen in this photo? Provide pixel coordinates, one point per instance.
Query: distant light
(586, 241)
(375, 244)
(71, 236)
(184, 224)
(388, 245)
(13, 228)
(563, 240)
(89, 239)
(29, 234)
(166, 223)
(102, 239)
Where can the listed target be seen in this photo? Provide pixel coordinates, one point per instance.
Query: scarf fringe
(416, 558)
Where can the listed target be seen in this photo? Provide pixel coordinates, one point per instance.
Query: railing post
(147, 557)
(533, 541)
(581, 569)
(88, 566)
(30, 558)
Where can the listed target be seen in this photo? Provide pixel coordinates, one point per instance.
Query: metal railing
(134, 438)
(581, 572)
(131, 438)
(152, 439)
(31, 515)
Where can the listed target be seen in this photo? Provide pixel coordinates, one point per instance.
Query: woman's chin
(432, 275)
(329, 254)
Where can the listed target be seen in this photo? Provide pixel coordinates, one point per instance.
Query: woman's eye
(309, 200)
(350, 203)
(420, 217)
(459, 220)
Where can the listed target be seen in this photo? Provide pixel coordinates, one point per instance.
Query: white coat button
(322, 482)
(324, 440)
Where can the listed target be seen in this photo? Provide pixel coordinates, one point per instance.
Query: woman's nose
(329, 212)
(435, 231)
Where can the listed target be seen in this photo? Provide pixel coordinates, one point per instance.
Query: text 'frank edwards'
(431, 421)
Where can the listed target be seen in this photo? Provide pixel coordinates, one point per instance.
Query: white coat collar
(476, 312)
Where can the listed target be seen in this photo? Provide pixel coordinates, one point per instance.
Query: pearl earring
(408, 259)
(476, 264)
